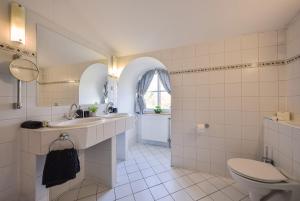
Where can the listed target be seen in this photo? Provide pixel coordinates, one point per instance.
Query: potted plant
(157, 109)
(93, 109)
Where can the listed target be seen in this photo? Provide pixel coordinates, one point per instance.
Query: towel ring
(62, 137)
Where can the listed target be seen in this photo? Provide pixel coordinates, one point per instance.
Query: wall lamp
(17, 23)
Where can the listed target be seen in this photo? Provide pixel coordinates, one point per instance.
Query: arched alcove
(129, 78)
(91, 83)
(127, 87)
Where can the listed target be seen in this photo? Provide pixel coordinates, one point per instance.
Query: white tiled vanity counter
(37, 141)
(283, 140)
(97, 155)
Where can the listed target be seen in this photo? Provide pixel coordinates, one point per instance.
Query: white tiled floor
(147, 176)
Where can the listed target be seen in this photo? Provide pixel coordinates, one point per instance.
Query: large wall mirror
(69, 72)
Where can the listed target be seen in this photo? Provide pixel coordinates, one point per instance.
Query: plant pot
(92, 114)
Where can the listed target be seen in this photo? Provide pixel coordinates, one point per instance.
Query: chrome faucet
(72, 113)
(109, 105)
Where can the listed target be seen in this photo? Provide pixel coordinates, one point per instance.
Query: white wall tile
(250, 89)
(250, 55)
(233, 44)
(250, 75)
(232, 76)
(268, 39)
(250, 41)
(268, 53)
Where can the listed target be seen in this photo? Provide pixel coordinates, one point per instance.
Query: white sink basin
(113, 115)
(75, 122)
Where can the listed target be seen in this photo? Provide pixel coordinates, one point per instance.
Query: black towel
(32, 124)
(60, 166)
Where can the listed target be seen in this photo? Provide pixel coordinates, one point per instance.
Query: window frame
(158, 91)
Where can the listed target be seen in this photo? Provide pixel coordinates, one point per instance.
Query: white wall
(10, 119)
(91, 84)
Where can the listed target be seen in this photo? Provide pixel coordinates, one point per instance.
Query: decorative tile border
(238, 66)
(16, 50)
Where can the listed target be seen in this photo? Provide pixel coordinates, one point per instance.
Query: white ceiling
(136, 26)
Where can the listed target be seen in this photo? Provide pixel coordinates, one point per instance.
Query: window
(157, 95)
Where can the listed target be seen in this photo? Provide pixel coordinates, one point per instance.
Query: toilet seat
(256, 170)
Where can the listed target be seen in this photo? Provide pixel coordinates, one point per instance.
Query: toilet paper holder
(206, 125)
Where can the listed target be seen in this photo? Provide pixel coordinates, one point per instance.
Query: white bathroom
(150, 100)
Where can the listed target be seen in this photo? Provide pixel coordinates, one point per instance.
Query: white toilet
(263, 181)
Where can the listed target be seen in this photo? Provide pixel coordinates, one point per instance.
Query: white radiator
(154, 127)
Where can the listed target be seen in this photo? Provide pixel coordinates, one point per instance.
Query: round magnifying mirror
(24, 70)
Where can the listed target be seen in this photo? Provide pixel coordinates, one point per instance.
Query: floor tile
(69, 196)
(206, 199)
(89, 198)
(165, 176)
(152, 181)
(143, 196)
(176, 172)
(131, 169)
(158, 168)
(87, 191)
(207, 187)
(147, 175)
(217, 182)
(172, 186)
(121, 171)
(102, 188)
(128, 198)
(167, 198)
(158, 191)
(135, 176)
(122, 179)
(195, 192)
(147, 172)
(129, 162)
(233, 193)
(181, 196)
(122, 191)
(239, 188)
(184, 181)
(143, 166)
(108, 195)
(219, 196)
(196, 177)
(138, 185)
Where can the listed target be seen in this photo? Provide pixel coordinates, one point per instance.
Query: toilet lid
(256, 170)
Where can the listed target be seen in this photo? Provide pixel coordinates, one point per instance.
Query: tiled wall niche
(292, 77)
(283, 143)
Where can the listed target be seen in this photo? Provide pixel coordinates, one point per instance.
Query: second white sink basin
(75, 122)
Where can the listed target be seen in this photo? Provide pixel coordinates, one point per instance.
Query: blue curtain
(165, 79)
(143, 85)
(141, 89)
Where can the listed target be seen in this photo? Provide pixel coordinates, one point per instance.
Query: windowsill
(153, 113)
